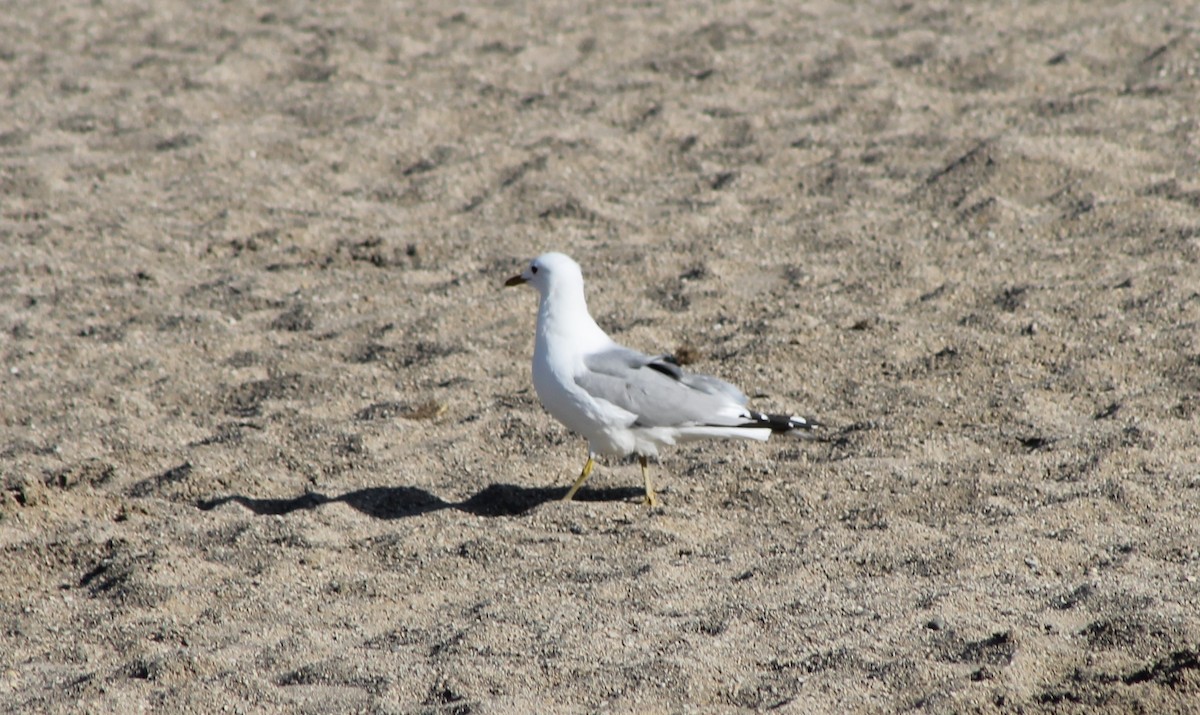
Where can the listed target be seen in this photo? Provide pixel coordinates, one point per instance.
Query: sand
(268, 437)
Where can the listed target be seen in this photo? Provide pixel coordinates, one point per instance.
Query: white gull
(622, 401)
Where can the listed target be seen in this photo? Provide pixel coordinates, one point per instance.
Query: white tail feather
(688, 434)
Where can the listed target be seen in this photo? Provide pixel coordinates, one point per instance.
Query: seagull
(622, 401)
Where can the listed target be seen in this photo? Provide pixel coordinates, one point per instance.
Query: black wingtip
(780, 424)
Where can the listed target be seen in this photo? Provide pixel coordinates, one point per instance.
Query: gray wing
(657, 390)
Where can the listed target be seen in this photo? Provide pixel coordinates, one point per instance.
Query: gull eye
(533, 270)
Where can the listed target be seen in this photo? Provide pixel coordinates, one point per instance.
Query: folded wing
(659, 392)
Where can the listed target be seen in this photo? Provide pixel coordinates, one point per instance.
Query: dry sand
(269, 441)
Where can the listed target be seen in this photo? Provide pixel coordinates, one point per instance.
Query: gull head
(549, 271)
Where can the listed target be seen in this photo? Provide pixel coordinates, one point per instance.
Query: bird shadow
(407, 502)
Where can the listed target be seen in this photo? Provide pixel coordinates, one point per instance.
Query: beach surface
(268, 439)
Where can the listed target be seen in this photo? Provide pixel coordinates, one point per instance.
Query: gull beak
(515, 281)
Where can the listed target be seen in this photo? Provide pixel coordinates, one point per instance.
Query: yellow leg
(587, 471)
(651, 500)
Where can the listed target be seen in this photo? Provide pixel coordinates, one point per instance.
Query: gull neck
(563, 311)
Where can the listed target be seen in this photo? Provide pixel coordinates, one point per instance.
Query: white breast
(604, 425)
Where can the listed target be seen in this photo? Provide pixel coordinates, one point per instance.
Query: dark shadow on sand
(406, 502)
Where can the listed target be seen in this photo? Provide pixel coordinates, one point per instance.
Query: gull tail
(781, 424)
(753, 425)
(688, 434)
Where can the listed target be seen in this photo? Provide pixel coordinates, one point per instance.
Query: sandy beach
(268, 439)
